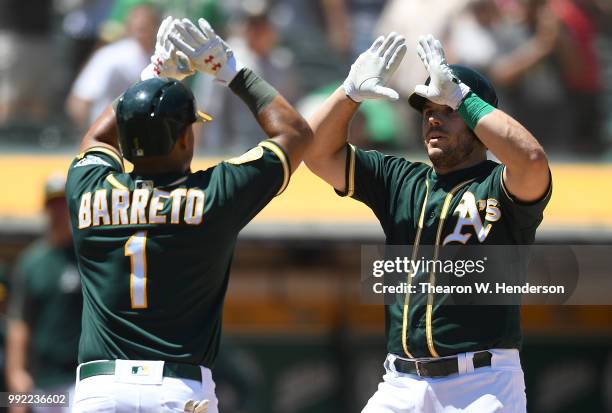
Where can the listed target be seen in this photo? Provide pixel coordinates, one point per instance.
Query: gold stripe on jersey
(115, 183)
(350, 185)
(432, 274)
(249, 156)
(509, 195)
(105, 150)
(415, 248)
(503, 185)
(283, 158)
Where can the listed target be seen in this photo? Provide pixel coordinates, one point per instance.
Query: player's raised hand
(166, 60)
(444, 87)
(206, 51)
(372, 70)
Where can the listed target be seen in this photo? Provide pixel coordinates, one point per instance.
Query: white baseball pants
(113, 394)
(499, 388)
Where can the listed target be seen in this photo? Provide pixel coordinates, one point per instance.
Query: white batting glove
(444, 87)
(373, 68)
(166, 60)
(207, 52)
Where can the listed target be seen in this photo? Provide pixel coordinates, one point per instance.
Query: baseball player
(155, 245)
(45, 308)
(440, 358)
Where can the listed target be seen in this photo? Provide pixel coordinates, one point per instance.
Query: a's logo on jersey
(91, 160)
(468, 215)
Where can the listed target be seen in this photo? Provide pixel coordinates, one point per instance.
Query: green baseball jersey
(154, 252)
(418, 207)
(46, 295)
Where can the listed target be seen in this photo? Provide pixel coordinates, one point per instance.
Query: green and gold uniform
(47, 297)
(154, 252)
(418, 207)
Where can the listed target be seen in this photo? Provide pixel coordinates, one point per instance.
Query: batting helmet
(152, 115)
(475, 80)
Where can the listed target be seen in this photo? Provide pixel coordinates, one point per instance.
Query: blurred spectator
(539, 64)
(211, 10)
(81, 25)
(520, 64)
(363, 15)
(337, 25)
(318, 33)
(376, 125)
(582, 73)
(602, 9)
(113, 68)
(239, 383)
(256, 42)
(413, 18)
(114, 27)
(347, 24)
(27, 60)
(45, 306)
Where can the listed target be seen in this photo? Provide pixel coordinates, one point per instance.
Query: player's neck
(464, 164)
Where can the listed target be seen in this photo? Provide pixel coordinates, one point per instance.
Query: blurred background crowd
(297, 337)
(62, 61)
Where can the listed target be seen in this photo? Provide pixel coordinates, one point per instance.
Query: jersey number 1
(136, 249)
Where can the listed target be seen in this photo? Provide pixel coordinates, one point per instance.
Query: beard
(451, 154)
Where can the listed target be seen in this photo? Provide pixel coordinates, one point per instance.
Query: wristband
(473, 108)
(255, 92)
(229, 70)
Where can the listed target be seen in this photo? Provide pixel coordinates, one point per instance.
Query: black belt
(175, 370)
(439, 367)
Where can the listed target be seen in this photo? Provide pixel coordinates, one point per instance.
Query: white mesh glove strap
(166, 60)
(444, 87)
(372, 70)
(206, 51)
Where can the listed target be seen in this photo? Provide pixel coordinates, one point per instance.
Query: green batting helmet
(475, 80)
(152, 115)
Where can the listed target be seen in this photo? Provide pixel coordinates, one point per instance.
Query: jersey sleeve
(371, 178)
(250, 181)
(525, 216)
(95, 164)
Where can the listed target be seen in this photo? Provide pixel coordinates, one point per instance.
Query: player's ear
(184, 139)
